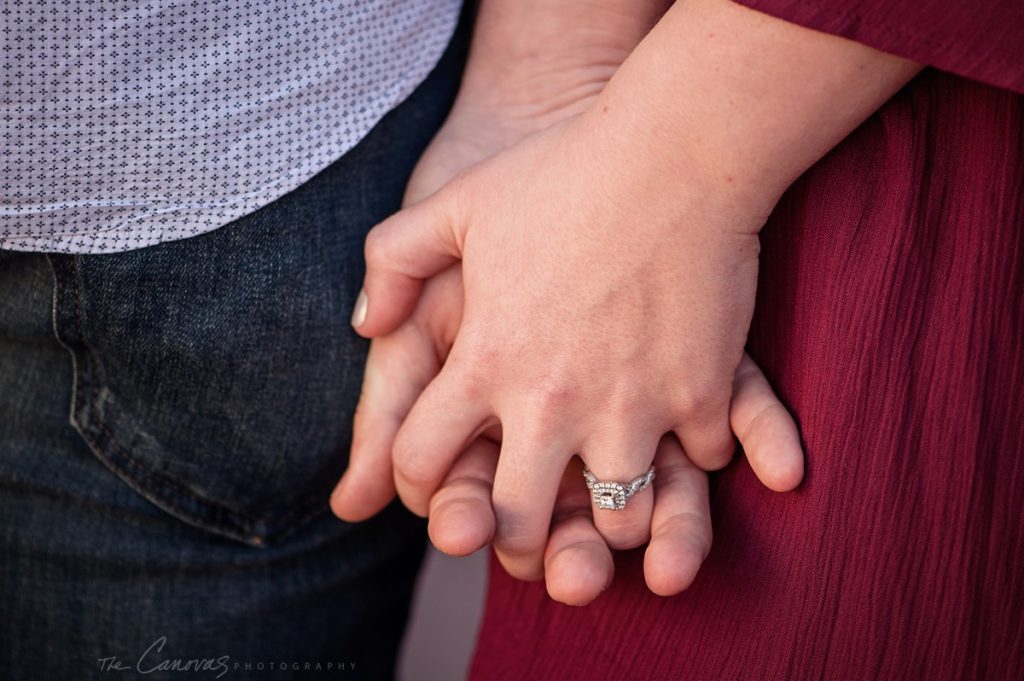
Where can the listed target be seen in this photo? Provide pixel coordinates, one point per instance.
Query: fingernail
(359, 313)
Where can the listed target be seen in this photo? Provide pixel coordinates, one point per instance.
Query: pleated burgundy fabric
(890, 318)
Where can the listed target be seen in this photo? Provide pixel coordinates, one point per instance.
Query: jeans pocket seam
(91, 423)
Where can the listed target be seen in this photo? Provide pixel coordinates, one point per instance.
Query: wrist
(672, 170)
(532, 97)
(533, 62)
(738, 103)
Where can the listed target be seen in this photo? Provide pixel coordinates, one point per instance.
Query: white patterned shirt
(129, 123)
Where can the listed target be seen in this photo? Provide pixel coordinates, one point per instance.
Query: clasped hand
(556, 305)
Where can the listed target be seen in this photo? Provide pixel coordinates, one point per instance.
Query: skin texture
(608, 267)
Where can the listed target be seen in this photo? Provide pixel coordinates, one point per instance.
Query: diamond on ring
(613, 496)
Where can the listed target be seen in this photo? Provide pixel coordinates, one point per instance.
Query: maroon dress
(890, 318)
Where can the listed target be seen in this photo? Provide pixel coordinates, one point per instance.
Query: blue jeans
(177, 523)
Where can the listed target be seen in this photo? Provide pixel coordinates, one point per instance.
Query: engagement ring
(613, 495)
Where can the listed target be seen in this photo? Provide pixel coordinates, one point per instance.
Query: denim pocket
(219, 375)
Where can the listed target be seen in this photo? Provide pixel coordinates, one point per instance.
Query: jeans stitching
(174, 498)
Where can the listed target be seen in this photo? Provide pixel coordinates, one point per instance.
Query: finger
(461, 518)
(616, 462)
(398, 368)
(578, 564)
(444, 420)
(766, 430)
(401, 252)
(705, 434)
(525, 485)
(681, 524)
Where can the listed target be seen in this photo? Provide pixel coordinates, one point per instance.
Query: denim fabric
(211, 384)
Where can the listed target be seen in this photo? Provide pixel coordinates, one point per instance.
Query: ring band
(612, 496)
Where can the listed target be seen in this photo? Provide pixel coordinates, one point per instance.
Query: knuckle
(375, 249)
(554, 392)
(465, 486)
(692, 527)
(408, 463)
(690, 404)
(760, 419)
(476, 349)
(568, 513)
(626, 538)
(527, 570)
(673, 475)
(515, 544)
(475, 365)
(514, 536)
(456, 195)
(472, 375)
(701, 402)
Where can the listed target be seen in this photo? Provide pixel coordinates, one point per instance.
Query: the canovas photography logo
(158, 657)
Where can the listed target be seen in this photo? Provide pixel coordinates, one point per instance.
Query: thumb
(410, 246)
(766, 430)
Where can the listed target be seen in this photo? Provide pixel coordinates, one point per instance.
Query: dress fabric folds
(890, 319)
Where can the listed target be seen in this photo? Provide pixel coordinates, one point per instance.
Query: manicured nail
(359, 313)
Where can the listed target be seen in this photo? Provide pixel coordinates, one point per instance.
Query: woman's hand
(601, 311)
